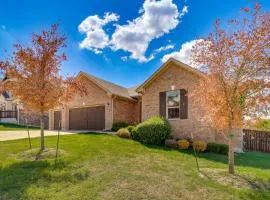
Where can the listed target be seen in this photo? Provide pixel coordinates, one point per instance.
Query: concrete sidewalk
(20, 134)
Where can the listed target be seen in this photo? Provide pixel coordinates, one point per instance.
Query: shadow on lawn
(94, 133)
(248, 159)
(16, 178)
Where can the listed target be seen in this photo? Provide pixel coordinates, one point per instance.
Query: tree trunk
(42, 139)
(231, 153)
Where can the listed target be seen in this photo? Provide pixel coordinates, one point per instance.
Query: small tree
(33, 74)
(237, 82)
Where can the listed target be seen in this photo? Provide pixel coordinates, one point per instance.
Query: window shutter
(183, 104)
(162, 104)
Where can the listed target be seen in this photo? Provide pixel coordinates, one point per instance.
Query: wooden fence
(256, 140)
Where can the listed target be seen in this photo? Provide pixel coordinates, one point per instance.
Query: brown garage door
(89, 118)
(57, 118)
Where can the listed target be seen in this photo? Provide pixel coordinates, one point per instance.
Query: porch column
(51, 119)
(65, 118)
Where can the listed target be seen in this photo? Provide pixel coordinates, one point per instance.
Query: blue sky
(127, 44)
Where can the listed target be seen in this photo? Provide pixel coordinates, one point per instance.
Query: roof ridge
(101, 79)
(110, 87)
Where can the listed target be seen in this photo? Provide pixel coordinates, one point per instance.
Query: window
(173, 104)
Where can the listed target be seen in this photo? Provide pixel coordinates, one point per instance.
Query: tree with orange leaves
(33, 74)
(237, 82)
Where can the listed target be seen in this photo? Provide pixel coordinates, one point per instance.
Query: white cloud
(184, 11)
(184, 54)
(157, 18)
(124, 58)
(96, 38)
(164, 48)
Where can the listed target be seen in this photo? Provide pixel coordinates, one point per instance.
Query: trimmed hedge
(118, 125)
(218, 148)
(131, 128)
(152, 131)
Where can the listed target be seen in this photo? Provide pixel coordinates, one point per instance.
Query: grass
(99, 166)
(13, 127)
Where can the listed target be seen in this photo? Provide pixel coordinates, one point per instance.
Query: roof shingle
(113, 88)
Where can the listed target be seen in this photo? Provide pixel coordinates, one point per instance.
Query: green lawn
(13, 127)
(98, 166)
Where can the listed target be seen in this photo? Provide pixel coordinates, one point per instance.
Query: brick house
(104, 104)
(165, 93)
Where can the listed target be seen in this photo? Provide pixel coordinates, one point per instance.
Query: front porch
(9, 116)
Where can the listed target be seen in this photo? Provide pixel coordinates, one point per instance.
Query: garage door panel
(78, 119)
(89, 118)
(96, 118)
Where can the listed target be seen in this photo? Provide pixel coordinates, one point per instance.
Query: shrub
(171, 143)
(124, 133)
(131, 129)
(152, 131)
(118, 125)
(183, 144)
(199, 145)
(218, 148)
(171, 137)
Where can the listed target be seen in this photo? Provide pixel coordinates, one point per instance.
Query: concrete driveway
(13, 135)
(20, 134)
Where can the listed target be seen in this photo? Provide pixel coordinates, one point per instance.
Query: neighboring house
(165, 93)
(12, 111)
(8, 108)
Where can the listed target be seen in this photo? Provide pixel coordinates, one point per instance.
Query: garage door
(89, 118)
(57, 118)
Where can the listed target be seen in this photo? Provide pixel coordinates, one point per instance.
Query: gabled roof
(112, 88)
(132, 91)
(164, 67)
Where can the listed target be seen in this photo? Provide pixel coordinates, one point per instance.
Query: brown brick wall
(95, 96)
(175, 77)
(125, 111)
(32, 118)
